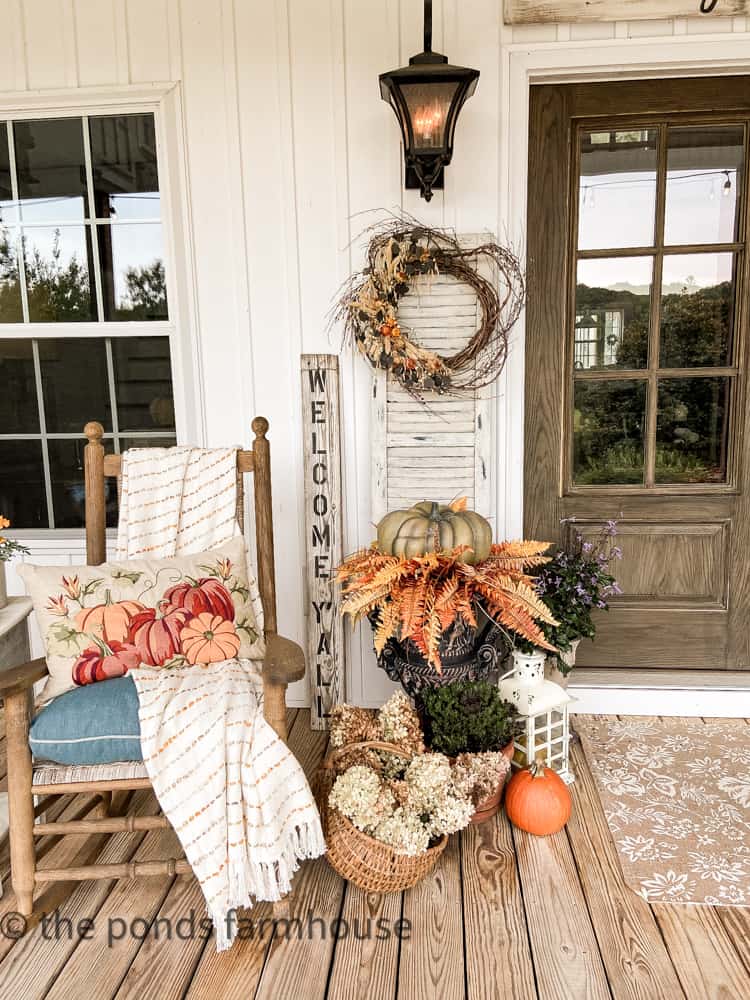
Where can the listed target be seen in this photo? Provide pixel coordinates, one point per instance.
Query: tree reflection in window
(80, 225)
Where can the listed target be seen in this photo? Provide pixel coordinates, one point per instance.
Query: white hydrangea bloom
(428, 777)
(359, 794)
(405, 832)
(391, 717)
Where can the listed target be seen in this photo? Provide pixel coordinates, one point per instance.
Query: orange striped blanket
(235, 794)
(237, 798)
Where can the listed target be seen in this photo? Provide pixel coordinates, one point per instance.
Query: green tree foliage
(609, 417)
(57, 291)
(59, 288)
(146, 293)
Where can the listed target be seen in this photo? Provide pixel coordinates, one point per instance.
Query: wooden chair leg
(20, 800)
(274, 707)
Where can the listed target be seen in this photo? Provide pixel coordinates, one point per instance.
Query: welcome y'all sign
(572, 11)
(323, 526)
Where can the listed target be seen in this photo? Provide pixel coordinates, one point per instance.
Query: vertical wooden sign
(323, 527)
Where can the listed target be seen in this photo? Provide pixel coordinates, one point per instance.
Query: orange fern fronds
(420, 598)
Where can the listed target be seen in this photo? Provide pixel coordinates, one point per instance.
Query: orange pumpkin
(155, 632)
(201, 597)
(100, 662)
(208, 639)
(537, 800)
(110, 620)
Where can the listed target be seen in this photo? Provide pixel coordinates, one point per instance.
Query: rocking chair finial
(94, 431)
(260, 426)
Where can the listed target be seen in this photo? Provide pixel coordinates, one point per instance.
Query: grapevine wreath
(400, 250)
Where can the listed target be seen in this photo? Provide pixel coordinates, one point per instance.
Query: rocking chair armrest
(284, 661)
(22, 678)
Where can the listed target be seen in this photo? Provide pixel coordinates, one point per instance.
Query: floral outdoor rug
(676, 794)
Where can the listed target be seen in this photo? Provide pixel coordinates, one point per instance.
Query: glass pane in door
(608, 423)
(613, 303)
(617, 188)
(691, 430)
(704, 171)
(697, 306)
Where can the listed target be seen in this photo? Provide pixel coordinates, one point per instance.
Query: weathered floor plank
(736, 923)
(432, 962)
(503, 916)
(366, 960)
(166, 961)
(632, 949)
(298, 965)
(564, 947)
(703, 955)
(22, 973)
(493, 912)
(99, 963)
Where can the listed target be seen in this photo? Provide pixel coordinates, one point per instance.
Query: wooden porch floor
(504, 915)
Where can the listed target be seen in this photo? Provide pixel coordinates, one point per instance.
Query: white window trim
(165, 103)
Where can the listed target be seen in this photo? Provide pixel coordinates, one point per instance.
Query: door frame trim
(697, 693)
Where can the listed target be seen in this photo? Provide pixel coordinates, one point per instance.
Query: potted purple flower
(575, 584)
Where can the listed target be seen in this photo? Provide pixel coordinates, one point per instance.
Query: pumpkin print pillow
(99, 622)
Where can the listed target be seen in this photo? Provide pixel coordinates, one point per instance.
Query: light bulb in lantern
(428, 122)
(726, 189)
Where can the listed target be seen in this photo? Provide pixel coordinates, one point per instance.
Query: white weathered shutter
(440, 448)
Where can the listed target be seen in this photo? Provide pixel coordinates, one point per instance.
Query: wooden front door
(636, 355)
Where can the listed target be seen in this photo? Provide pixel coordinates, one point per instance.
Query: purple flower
(587, 547)
(610, 528)
(616, 552)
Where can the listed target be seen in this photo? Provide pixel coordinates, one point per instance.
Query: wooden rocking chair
(284, 663)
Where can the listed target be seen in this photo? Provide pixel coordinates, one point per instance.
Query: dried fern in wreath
(399, 251)
(422, 597)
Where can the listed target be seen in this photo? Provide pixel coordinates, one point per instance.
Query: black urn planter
(466, 654)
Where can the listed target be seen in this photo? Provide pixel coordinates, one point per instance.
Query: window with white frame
(84, 322)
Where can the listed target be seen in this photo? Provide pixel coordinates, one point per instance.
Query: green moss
(467, 717)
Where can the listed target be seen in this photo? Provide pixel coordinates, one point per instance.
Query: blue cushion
(95, 724)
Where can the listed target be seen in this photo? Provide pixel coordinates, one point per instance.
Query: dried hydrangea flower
(361, 796)
(477, 775)
(427, 776)
(450, 814)
(399, 724)
(350, 724)
(405, 832)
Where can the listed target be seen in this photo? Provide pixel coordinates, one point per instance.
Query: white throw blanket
(181, 500)
(234, 793)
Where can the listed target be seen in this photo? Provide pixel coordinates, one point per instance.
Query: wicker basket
(362, 860)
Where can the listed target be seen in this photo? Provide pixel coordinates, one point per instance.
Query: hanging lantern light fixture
(427, 96)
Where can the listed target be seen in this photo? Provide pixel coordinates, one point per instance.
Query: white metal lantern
(543, 707)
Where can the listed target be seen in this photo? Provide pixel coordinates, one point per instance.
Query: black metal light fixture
(427, 96)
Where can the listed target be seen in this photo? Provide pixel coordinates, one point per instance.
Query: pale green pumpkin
(434, 527)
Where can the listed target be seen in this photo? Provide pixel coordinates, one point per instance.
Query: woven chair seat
(65, 774)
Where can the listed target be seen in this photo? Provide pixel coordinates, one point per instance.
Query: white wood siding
(286, 144)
